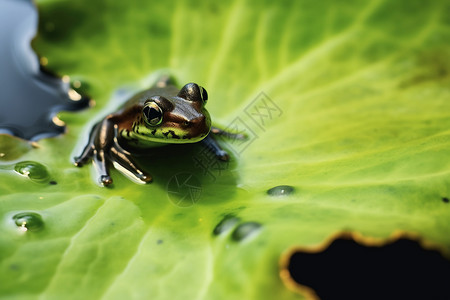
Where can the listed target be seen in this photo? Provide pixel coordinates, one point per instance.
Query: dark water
(348, 270)
(30, 97)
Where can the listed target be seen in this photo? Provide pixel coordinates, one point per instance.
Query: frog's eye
(193, 92)
(153, 114)
(203, 94)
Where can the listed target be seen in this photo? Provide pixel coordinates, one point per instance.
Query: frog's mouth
(172, 135)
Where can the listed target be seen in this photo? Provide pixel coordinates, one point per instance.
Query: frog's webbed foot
(127, 164)
(87, 154)
(212, 144)
(99, 160)
(89, 149)
(104, 150)
(100, 163)
(97, 149)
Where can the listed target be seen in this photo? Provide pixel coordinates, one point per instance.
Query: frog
(155, 117)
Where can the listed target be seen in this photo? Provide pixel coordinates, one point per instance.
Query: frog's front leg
(103, 148)
(124, 159)
(230, 135)
(212, 144)
(99, 145)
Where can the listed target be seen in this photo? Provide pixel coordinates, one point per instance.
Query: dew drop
(28, 221)
(281, 190)
(33, 170)
(245, 230)
(225, 224)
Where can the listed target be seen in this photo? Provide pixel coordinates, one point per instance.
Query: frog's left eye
(203, 94)
(153, 114)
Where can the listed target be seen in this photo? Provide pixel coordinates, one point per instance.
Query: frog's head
(179, 119)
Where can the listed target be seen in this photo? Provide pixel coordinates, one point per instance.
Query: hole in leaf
(401, 269)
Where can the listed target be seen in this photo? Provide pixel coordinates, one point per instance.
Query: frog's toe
(78, 161)
(241, 136)
(145, 178)
(106, 180)
(223, 156)
(85, 156)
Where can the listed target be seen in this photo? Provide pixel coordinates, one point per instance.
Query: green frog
(158, 116)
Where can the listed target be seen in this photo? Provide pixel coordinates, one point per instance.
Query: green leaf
(345, 101)
(12, 148)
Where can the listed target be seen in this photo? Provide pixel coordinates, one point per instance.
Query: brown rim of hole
(367, 241)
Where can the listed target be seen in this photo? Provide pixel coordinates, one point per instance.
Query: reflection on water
(29, 97)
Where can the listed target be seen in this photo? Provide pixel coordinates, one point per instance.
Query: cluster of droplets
(240, 232)
(29, 221)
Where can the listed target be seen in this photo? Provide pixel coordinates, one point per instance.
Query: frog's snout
(198, 128)
(201, 126)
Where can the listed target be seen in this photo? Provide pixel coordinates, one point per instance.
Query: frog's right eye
(193, 92)
(153, 114)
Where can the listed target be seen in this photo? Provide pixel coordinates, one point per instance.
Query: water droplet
(445, 200)
(33, 170)
(28, 221)
(225, 224)
(281, 190)
(245, 230)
